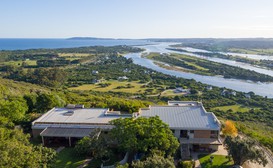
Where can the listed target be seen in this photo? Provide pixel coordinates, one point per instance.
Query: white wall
(214, 147)
(190, 135)
(177, 133)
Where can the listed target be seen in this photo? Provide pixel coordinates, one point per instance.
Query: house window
(183, 133)
(213, 132)
(192, 131)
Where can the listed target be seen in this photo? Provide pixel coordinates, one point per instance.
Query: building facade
(196, 129)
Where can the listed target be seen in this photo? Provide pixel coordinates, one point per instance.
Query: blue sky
(136, 18)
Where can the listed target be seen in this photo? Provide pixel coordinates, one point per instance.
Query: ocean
(23, 44)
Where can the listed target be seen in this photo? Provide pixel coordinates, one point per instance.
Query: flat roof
(192, 116)
(77, 116)
(66, 132)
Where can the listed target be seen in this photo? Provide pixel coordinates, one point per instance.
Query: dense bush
(186, 164)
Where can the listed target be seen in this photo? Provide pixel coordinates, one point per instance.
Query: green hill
(15, 88)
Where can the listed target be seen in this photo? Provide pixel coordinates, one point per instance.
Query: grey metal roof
(79, 116)
(66, 132)
(184, 117)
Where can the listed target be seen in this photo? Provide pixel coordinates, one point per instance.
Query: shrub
(186, 164)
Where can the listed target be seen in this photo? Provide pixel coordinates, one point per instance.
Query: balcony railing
(211, 141)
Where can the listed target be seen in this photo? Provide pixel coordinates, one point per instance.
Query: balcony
(210, 141)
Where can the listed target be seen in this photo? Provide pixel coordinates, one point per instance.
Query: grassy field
(171, 92)
(189, 60)
(114, 84)
(19, 63)
(258, 131)
(74, 54)
(15, 88)
(219, 161)
(68, 158)
(234, 108)
(196, 66)
(252, 51)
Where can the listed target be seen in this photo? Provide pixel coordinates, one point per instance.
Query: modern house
(67, 125)
(195, 128)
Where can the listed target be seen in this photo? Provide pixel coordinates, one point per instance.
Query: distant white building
(95, 72)
(123, 78)
(209, 87)
(94, 81)
(126, 70)
(227, 93)
(181, 90)
(247, 95)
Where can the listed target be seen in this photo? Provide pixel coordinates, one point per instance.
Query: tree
(242, 150)
(54, 77)
(31, 101)
(186, 164)
(230, 129)
(48, 101)
(92, 146)
(155, 161)
(16, 151)
(144, 135)
(14, 110)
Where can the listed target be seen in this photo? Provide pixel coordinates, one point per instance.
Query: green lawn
(234, 108)
(136, 87)
(74, 54)
(97, 162)
(219, 161)
(197, 66)
(68, 158)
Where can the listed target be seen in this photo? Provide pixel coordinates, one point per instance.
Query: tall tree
(144, 135)
(47, 101)
(242, 150)
(93, 145)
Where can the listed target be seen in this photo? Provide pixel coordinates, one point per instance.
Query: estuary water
(263, 89)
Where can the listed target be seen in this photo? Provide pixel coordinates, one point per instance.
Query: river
(263, 89)
(226, 61)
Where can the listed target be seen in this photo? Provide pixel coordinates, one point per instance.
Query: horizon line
(111, 38)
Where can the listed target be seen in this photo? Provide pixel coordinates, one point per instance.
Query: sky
(136, 18)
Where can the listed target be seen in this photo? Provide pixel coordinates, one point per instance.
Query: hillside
(15, 88)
